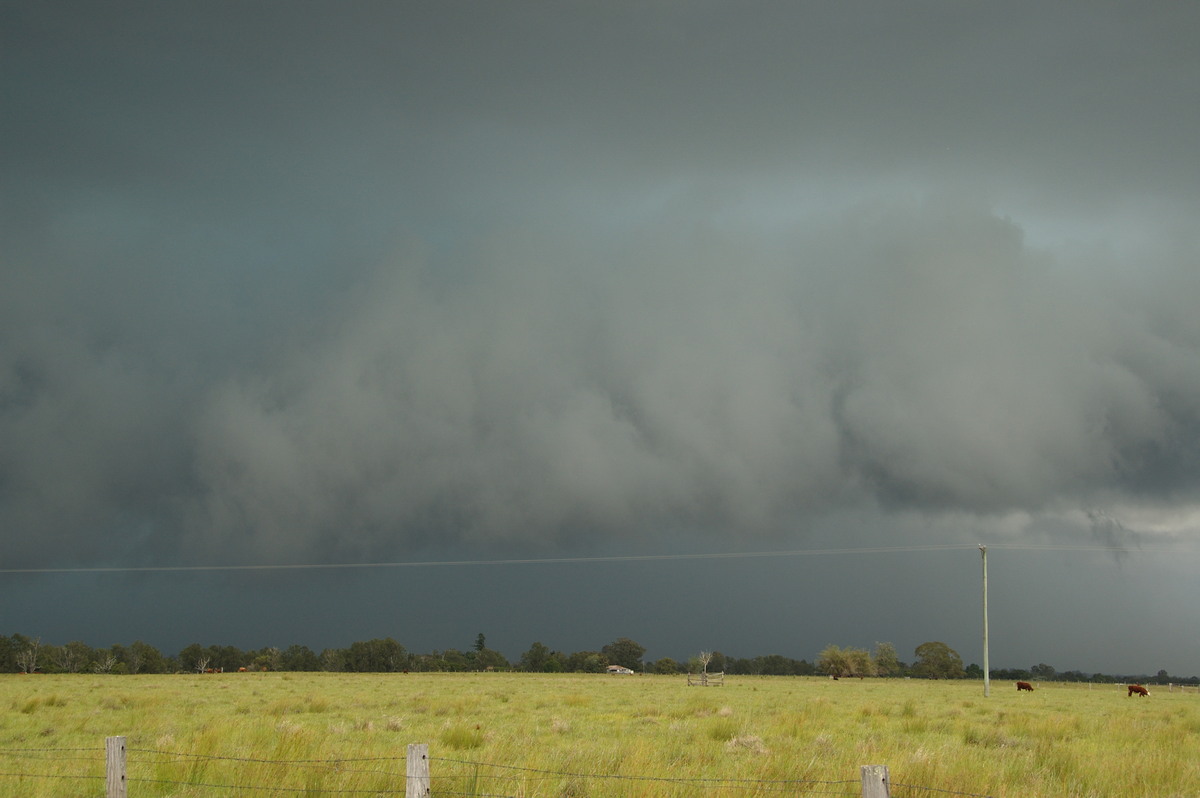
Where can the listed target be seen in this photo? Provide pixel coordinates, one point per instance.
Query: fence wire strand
(790, 786)
(520, 776)
(939, 789)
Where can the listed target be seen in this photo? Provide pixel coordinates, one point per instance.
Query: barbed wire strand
(641, 778)
(185, 754)
(941, 790)
(48, 776)
(266, 789)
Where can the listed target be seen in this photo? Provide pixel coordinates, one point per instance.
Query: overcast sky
(868, 283)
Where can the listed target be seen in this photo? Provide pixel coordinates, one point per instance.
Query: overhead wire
(618, 558)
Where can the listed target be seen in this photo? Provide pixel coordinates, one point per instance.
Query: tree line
(936, 660)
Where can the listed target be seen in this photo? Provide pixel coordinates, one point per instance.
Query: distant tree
(937, 660)
(666, 666)
(189, 655)
(887, 663)
(228, 658)
(861, 663)
(738, 666)
(333, 660)
(587, 662)
(719, 662)
(624, 652)
(299, 658)
(774, 665)
(269, 659)
(376, 656)
(454, 660)
(973, 671)
(107, 662)
(145, 658)
(702, 661)
(1042, 671)
(52, 658)
(480, 642)
(490, 659)
(8, 654)
(536, 659)
(74, 657)
(835, 661)
(27, 656)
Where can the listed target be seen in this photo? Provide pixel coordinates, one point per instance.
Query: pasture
(590, 735)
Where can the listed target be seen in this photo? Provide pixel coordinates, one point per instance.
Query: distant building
(618, 669)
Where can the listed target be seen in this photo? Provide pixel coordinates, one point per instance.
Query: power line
(601, 559)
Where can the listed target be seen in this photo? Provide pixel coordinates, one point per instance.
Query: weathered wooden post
(417, 771)
(114, 767)
(875, 781)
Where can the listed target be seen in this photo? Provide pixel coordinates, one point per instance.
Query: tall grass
(588, 735)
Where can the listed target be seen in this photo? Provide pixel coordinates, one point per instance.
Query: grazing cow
(1137, 688)
(1024, 686)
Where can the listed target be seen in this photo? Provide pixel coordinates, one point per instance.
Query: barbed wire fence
(123, 772)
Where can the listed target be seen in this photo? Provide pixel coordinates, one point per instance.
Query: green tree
(587, 662)
(666, 666)
(141, 657)
(861, 663)
(269, 659)
(624, 652)
(29, 655)
(1043, 671)
(455, 660)
(74, 657)
(194, 657)
(488, 658)
(887, 663)
(480, 642)
(834, 660)
(8, 654)
(299, 658)
(376, 656)
(108, 660)
(333, 660)
(536, 659)
(937, 660)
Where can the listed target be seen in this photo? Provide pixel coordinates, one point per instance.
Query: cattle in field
(1137, 688)
(1024, 686)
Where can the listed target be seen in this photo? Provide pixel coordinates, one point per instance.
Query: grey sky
(323, 283)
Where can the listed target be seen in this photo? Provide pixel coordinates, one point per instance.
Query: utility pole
(987, 678)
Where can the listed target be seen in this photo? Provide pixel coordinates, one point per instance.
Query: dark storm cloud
(325, 283)
(914, 354)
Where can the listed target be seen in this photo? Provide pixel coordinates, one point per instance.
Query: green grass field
(590, 735)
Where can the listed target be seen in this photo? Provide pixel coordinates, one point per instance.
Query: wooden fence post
(114, 767)
(875, 781)
(417, 771)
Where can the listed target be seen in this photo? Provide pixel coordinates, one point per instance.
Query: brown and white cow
(1024, 686)
(1137, 688)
